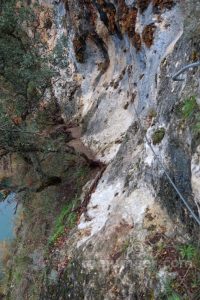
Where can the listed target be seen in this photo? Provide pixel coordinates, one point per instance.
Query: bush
(189, 107)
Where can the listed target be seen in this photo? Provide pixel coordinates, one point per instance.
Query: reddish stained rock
(137, 42)
(79, 48)
(162, 4)
(111, 15)
(143, 4)
(119, 19)
(148, 34)
(159, 4)
(127, 18)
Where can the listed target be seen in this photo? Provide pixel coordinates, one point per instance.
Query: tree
(24, 72)
(24, 77)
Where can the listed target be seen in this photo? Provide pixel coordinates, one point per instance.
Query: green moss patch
(158, 135)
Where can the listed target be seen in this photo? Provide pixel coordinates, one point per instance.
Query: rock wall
(114, 62)
(121, 57)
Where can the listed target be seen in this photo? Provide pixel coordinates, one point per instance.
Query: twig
(183, 278)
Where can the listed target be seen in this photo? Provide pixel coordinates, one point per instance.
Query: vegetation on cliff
(27, 119)
(24, 73)
(47, 174)
(126, 246)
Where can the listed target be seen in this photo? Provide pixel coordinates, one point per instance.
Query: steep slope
(121, 58)
(114, 62)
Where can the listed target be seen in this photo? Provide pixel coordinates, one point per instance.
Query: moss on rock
(158, 135)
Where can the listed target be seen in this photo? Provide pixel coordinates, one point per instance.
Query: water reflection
(7, 208)
(6, 217)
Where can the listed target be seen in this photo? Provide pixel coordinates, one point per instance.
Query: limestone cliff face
(114, 63)
(120, 56)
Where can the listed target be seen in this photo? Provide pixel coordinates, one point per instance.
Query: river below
(7, 218)
(6, 226)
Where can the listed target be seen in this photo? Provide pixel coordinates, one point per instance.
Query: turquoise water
(6, 225)
(7, 218)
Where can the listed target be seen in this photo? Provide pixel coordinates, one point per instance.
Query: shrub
(158, 135)
(188, 252)
(189, 107)
(24, 73)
